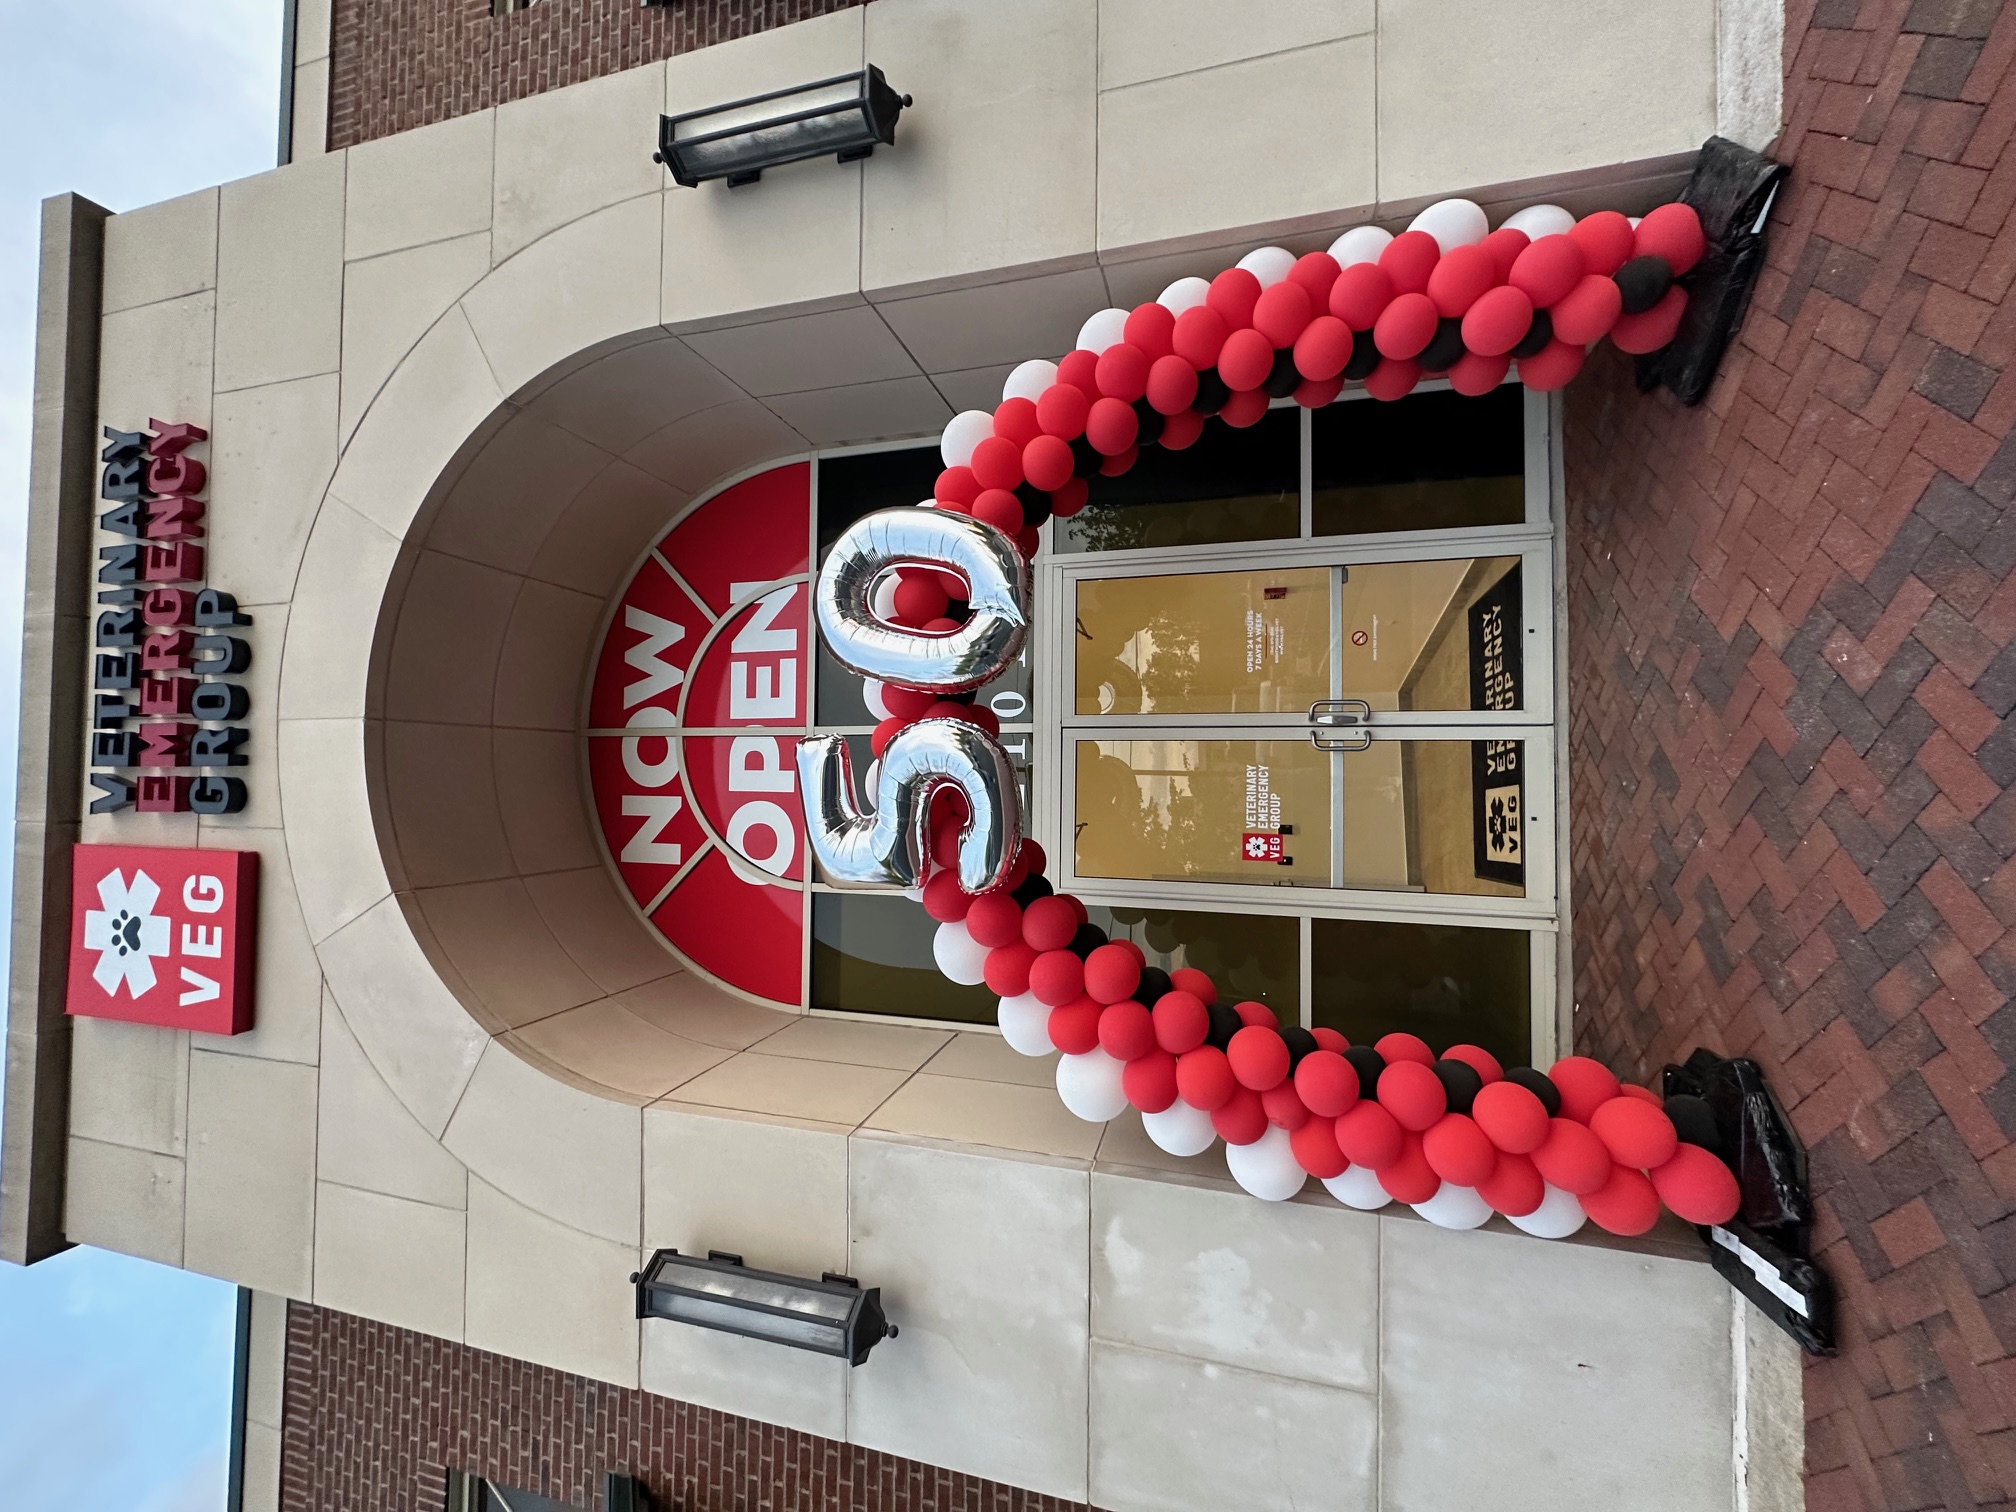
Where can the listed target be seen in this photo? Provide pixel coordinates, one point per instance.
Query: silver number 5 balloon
(891, 845)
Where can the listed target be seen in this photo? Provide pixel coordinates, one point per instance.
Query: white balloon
(1540, 220)
(959, 955)
(1634, 219)
(1029, 380)
(1358, 1187)
(882, 603)
(963, 432)
(871, 784)
(1180, 1129)
(1360, 244)
(1453, 223)
(1025, 1024)
(1184, 294)
(1105, 329)
(1267, 1167)
(1090, 1085)
(1558, 1215)
(1268, 264)
(914, 894)
(1454, 1207)
(871, 695)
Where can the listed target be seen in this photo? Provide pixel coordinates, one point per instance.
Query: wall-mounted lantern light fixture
(832, 1315)
(846, 116)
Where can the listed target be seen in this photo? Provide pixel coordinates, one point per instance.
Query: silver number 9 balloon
(892, 844)
(997, 582)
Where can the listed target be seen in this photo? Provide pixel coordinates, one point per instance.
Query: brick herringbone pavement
(1791, 625)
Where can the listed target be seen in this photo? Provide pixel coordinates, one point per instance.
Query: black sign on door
(1497, 767)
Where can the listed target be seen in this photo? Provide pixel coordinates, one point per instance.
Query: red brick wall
(375, 1416)
(396, 64)
(1791, 624)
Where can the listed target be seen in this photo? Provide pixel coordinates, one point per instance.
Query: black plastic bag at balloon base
(1765, 1250)
(1732, 189)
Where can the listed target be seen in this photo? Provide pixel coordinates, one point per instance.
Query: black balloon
(1300, 1043)
(1445, 348)
(1151, 422)
(1643, 282)
(1368, 1063)
(1211, 393)
(1364, 356)
(1085, 459)
(1537, 1083)
(1284, 377)
(1694, 1122)
(1035, 503)
(1030, 888)
(1088, 939)
(1225, 1022)
(1460, 1082)
(1537, 335)
(1155, 985)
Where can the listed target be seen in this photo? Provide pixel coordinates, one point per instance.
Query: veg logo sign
(163, 936)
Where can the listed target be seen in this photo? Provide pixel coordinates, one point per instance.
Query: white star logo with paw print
(126, 933)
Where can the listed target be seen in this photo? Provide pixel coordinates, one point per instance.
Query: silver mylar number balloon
(997, 580)
(891, 845)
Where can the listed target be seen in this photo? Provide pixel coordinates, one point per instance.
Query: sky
(115, 1374)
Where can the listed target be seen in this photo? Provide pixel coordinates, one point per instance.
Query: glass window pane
(1250, 957)
(1231, 485)
(1440, 461)
(1436, 816)
(1449, 983)
(1434, 635)
(871, 953)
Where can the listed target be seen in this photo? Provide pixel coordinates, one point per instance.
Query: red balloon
(1028, 541)
(999, 508)
(1257, 1015)
(1497, 321)
(1400, 1046)
(1030, 854)
(1330, 1039)
(886, 731)
(1587, 311)
(1074, 1028)
(1643, 1094)
(1474, 375)
(1457, 1150)
(1314, 393)
(919, 598)
(1284, 1108)
(1505, 244)
(1553, 367)
(1572, 1158)
(1068, 500)
(1079, 370)
(1316, 272)
(1126, 1032)
(1478, 1059)
(947, 708)
(1247, 359)
(1119, 462)
(1368, 1136)
(1140, 956)
(1409, 259)
(1123, 372)
(956, 485)
(1204, 1077)
(1151, 327)
(1244, 410)
(1233, 295)
(1413, 1094)
(1049, 923)
(1259, 1057)
(1315, 1149)
(906, 703)
(946, 901)
(1585, 1085)
(1241, 1118)
(1548, 269)
(985, 718)
(1626, 1204)
(1181, 431)
(1061, 411)
(1007, 969)
(1199, 336)
(1405, 327)
(1112, 973)
(1511, 1117)
(1323, 348)
(1697, 1186)
(997, 463)
(1281, 312)
(995, 919)
(1410, 1178)
(1328, 1082)
(1197, 983)
(1360, 293)
(1649, 330)
(1672, 232)
(1047, 462)
(1636, 1134)
(1393, 380)
(1514, 1187)
(1606, 240)
(1056, 977)
(1150, 1082)
(1112, 427)
(1460, 279)
(1181, 1022)
(1172, 385)
(1016, 419)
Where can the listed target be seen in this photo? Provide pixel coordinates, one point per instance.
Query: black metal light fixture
(831, 1316)
(847, 116)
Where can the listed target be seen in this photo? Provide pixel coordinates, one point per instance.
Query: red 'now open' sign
(163, 936)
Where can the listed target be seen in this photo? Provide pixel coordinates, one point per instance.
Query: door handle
(1360, 741)
(1340, 711)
